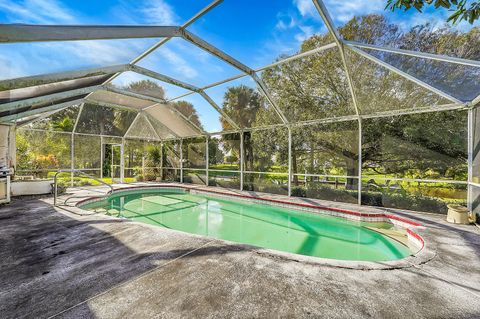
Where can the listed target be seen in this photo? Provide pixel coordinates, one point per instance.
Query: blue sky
(253, 31)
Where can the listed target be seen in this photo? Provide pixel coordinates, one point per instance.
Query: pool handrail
(55, 184)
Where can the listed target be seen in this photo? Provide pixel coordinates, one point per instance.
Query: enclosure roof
(224, 46)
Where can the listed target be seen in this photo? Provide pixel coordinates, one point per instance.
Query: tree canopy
(463, 10)
(315, 87)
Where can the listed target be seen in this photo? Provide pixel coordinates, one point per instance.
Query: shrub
(372, 199)
(414, 202)
(298, 191)
(61, 187)
(224, 183)
(327, 193)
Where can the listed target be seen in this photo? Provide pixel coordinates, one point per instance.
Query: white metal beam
(89, 100)
(163, 125)
(133, 94)
(470, 150)
(322, 10)
(40, 110)
(181, 96)
(298, 56)
(162, 77)
(174, 82)
(263, 88)
(476, 101)
(219, 110)
(131, 124)
(439, 108)
(59, 77)
(40, 117)
(165, 40)
(418, 54)
(154, 131)
(174, 110)
(186, 24)
(78, 118)
(204, 45)
(232, 78)
(10, 33)
(50, 98)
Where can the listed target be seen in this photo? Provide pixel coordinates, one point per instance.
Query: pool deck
(57, 263)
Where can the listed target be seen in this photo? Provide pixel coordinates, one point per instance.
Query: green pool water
(255, 224)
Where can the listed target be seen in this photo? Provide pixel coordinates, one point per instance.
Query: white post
(360, 161)
(122, 161)
(181, 160)
(242, 160)
(102, 156)
(161, 162)
(206, 162)
(470, 124)
(72, 153)
(72, 156)
(289, 161)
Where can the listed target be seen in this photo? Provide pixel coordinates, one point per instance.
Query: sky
(255, 32)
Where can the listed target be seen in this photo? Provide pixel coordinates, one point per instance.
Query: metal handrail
(55, 184)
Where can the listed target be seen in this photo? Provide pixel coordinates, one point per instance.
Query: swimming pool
(255, 224)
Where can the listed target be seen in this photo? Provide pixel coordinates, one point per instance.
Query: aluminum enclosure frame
(67, 33)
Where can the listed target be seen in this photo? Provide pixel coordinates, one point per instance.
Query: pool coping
(416, 232)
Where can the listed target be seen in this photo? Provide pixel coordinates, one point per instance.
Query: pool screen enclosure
(346, 117)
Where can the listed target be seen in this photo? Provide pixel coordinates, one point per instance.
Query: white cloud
(180, 64)
(285, 22)
(306, 8)
(343, 11)
(159, 12)
(128, 77)
(436, 20)
(37, 11)
(53, 56)
(306, 32)
(9, 70)
(101, 52)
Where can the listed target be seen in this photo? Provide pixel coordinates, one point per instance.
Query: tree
(306, 89)
(65, 124)
(188, 110)
(416, 145)
(147, 87)
(242, 104)
(461, 11)
(104, 120)
(215, 154)
(314, 88)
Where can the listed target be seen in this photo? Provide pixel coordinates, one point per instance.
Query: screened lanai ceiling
(290, 61)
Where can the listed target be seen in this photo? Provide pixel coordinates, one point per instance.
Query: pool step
(396, 234)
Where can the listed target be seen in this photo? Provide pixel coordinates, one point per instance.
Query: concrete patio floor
(55, 263)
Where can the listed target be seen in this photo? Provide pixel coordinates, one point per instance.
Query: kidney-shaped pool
(255, 224)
